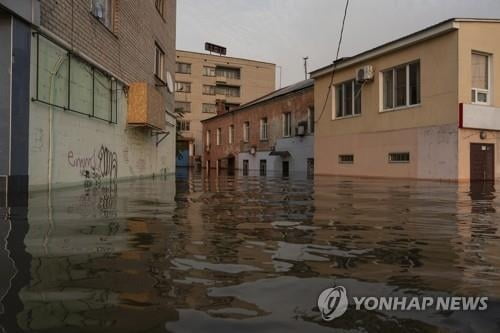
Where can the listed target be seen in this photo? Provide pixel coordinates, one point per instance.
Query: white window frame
(382, 92)
(218, 137)
(107, 13)
(263, 129)
(353, 106)
(479, 90)
(231, 134)
(246, 131)
(287, 127)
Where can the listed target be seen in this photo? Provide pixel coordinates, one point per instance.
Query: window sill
(159, 79)
(481, 103)
(347, 117)
(401, 108)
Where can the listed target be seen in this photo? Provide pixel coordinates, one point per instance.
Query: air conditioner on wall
(364, 74)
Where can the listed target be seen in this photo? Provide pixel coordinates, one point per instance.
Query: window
(160, 6)
(399, 157)
(207, 139)
(480, 78)
(208, 90)
(310, 120)
(183, 68)
(230, 106)
(103, 11)
(208, 71)
(346, 159)
(348, 96)
(228, 73)
(401, 86)
(182, 106)
(246, 131)
(245, 167)
(159, 63)
(263, 167)
(263, 129)
(184, 87)
(231, 134)
(287, 124)
(183, 125)
(218, 137)
(229, 91)
(208, 108)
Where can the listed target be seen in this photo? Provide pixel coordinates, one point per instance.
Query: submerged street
(248, 253)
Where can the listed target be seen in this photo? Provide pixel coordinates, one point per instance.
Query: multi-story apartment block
(207, 83)
(424, 106)
(94, 91)
(270, 135)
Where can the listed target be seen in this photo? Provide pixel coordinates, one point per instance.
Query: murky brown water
(248, 254)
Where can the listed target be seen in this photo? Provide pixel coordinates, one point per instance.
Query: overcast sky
(284, 31)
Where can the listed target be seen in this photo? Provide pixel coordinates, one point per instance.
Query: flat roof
(296, 87)
(215, 56)
(430, 32)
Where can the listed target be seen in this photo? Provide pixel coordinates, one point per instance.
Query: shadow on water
(212, 252)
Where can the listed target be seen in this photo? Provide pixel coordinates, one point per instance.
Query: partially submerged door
(482, 162)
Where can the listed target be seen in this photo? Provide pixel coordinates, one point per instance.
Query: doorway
(285, 168)
(482, 162)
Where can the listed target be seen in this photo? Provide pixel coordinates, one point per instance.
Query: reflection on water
(247, 253)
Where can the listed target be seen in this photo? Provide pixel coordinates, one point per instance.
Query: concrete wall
(257, 79)
(273, 163)
(300, 148)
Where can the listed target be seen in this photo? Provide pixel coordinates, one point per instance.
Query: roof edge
(224, 57)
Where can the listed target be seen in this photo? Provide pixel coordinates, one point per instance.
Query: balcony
(145, 106)
(479, 117)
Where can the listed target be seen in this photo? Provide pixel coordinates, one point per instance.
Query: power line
(335, 61)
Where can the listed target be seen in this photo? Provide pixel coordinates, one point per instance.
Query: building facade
(102, 92)
(271, 135)
(206, 83)
(421, 107)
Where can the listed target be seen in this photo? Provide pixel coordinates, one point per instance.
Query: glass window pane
(479, 71)
(388, 90)
(340, 105)
(415, 83)
(482, 97)
(401, 86)
(357, 98)
(348, 98)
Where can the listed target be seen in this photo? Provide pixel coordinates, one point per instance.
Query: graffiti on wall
(96, 167)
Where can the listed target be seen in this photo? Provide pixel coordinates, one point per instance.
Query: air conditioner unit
(301, 130)
(364, 74)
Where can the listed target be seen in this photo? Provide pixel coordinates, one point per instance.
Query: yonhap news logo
(333, 303)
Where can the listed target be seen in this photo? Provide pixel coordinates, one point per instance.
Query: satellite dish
(170, 82)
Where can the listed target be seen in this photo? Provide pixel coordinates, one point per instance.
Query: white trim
(404, 42)
(407, 79)
(488, 91)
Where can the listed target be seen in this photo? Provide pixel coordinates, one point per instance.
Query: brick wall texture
(296, 103)
(127, 49)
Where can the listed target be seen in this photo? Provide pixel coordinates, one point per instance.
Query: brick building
(206, 82)
(103, 93)
(272, 134)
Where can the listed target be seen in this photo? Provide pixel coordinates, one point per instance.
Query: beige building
(423, 106)
(206, 83)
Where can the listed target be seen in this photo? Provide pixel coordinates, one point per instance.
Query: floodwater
(248, 254)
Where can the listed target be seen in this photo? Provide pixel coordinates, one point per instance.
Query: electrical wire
(335, 61)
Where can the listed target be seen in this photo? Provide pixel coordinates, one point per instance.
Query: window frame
(408, 104)
(231, 134)
(212, 88)
(159, 73)
(183, 109)
(182, 63)
(310, 120)
(246, 131)
(264, 129)
(212, 106)
(488, 91)
(344, 84)
(183, 125)
(111, 8)
(205, 71)
(188, 91)
(284, 125)
(207, 138)
(218, 136)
